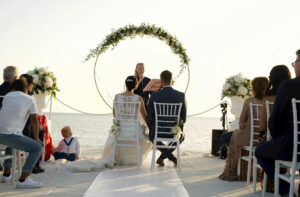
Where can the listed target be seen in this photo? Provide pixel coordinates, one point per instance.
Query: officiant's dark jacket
(140, 90)
(166, 95)
(281, 120)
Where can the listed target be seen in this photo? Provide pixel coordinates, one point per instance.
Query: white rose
(243, 91)
(226, 86)
(239, 78)
(30, 72)
(43, 70)
(49, 82)
(36, 78)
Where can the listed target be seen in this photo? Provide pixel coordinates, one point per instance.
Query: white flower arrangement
(44, 81)
(176, 131)
(236, 85)
(115, 128)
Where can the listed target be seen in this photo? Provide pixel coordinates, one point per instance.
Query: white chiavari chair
(254, 126)
(166, 116)
(293, 165)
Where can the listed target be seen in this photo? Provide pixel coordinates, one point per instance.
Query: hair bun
(130, 82)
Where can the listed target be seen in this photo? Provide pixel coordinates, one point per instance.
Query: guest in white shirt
(68, 148)
(17, 106)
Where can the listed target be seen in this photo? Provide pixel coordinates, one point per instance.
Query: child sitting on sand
(68, 148)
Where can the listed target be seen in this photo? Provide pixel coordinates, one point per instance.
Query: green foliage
(132, 31)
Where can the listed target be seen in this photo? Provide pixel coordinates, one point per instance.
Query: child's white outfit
(68, 148)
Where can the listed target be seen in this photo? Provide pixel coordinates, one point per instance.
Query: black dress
(140, 90)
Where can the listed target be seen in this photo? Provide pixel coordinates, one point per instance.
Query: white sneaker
(6, 179)
(28, 183)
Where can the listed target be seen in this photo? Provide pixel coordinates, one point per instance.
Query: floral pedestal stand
(41, 103)
(236, 109)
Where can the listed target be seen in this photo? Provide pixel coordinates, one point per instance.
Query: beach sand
(199, 177)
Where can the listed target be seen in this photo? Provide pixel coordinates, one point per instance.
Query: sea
(92, 130)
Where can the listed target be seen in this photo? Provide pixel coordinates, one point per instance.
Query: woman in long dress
(128, 155)
(123, 155)
(241, 137)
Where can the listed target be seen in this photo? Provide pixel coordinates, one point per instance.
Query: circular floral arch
(131, 31)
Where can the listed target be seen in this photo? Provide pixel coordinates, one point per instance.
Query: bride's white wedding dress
(126, 155)
(123, 155)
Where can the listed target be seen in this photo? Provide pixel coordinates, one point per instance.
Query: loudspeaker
(216, 141)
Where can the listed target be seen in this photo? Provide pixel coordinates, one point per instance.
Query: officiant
(142, 82)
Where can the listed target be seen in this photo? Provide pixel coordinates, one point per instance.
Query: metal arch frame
(107, 104)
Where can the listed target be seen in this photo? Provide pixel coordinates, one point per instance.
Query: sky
(222, 38)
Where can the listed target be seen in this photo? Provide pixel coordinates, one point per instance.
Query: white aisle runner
(132, 182)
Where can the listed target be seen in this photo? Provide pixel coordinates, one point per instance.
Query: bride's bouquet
(176, 131)
(115, 128)
(44, 81)
(236, 85)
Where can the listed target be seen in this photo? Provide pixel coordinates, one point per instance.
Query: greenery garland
(132, 31)
(144, 29)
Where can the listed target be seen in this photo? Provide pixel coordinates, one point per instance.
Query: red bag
(48, 140)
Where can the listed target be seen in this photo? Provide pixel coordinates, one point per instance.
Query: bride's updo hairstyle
(130, 83)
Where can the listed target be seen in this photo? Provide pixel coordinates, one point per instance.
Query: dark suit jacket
(4, 89)
(166, 95)
(281, 120)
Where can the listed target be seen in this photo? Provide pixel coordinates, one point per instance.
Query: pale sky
(222, 38)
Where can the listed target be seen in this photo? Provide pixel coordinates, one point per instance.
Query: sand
(199, 177)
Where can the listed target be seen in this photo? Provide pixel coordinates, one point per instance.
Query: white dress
(123, 155)
(126, 155)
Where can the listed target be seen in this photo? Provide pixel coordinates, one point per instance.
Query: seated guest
(10, 73)
(27, 131)
(17, 106)
(166, 95)
(68, 147)
(281, 128)
(278, 74)
(241, 137)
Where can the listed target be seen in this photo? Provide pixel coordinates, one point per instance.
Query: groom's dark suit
(166, 95)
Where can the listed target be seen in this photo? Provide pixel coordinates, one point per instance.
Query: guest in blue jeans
(17, 106)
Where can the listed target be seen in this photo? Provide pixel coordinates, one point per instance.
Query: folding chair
(166, 116)
(128, 114)
(293, 165)
(14, 155)
(255, 164)
(254, 125)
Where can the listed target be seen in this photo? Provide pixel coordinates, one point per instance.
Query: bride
(123, 155)
(127, 155)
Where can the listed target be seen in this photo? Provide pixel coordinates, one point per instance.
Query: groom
(166, 95)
